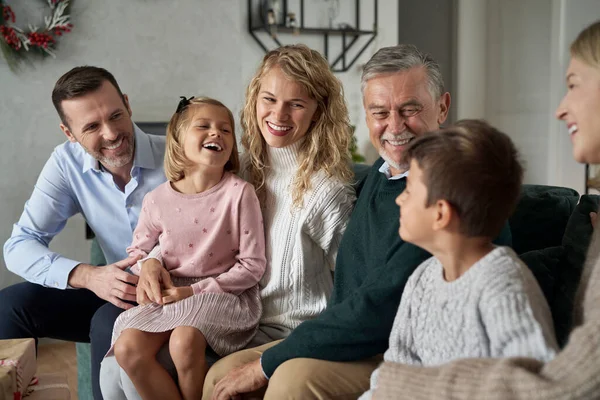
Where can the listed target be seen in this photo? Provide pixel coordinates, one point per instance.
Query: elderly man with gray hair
(333, 355)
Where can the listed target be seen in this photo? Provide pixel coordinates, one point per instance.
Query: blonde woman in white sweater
(296, 140)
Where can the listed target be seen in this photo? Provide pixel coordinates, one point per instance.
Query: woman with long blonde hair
(575, 372)
(296, 140)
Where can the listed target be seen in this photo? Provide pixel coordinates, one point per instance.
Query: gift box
(49, 387)
(17, 367)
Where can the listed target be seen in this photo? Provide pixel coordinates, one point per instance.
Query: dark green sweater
(372, 267)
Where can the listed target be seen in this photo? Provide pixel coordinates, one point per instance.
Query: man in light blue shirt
(103, 171)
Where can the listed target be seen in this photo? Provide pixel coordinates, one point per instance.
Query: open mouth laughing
(212, 146)
(278, 130)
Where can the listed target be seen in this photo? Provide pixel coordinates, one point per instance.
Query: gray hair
(401, 58)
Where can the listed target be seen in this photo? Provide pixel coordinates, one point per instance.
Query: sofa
(550, 229)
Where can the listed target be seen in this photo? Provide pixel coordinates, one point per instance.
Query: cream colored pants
(300, 378)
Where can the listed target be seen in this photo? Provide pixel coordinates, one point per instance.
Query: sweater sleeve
(146, 233)
(328, 221)
(156, 254)
(145, 236)
(402, 344)
(514, 331)
(574, 374)
(357, 327)
(251, 261)
(514, 311)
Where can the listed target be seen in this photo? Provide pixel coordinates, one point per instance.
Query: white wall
(523, 62)
(569, 18)
(158, 51)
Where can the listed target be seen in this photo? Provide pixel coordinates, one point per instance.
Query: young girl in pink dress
(209, 226)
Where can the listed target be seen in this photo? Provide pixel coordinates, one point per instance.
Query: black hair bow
(183, 103)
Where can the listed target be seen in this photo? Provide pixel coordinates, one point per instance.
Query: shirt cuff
(262, 369)
(58, 274)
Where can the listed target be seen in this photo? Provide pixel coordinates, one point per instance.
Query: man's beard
(117, 161)
(397, 166)
(386, 137)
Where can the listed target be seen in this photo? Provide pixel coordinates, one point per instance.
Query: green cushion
(558, 268)
(545, 265)
(575, 243)
(541, 216)
(97, 257)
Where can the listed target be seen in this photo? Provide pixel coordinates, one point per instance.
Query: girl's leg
(188, 347)
(135, 352)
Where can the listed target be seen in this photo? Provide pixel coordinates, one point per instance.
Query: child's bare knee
(128, 353)
(187, 347)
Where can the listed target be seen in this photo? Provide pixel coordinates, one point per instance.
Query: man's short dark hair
(78, 82)
(475, 168)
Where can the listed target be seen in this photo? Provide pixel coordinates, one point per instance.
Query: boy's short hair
(475, 168)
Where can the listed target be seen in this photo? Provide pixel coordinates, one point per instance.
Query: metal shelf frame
(349, 36)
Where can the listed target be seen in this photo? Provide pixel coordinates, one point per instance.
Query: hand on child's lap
(153, 277)
(174, 294)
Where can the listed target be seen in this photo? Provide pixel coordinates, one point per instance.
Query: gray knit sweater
(495, 309)
(573, 374)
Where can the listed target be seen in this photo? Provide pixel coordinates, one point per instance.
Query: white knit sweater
(302, 243)
(495, 309)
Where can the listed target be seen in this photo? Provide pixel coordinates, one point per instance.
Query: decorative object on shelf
(292, 23)
(276, 7)
(333, 10)
(16, 43)
(271, 21)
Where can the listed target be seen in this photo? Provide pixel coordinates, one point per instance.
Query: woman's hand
(173, 294)
(153, 278)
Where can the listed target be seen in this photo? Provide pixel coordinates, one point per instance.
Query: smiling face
(416, 219)
(100, 122)
(284, 109)
(399, 107)
(208, 140)
(580, 110)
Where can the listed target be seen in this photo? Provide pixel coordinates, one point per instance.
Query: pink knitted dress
(213, 241)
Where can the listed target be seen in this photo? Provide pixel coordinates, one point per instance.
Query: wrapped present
(49, 387)
(17, 367)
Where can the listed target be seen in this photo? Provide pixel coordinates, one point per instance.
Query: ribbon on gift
(17, 366)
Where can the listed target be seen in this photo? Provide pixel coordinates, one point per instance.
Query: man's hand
(593, 218)
(174, 294)
(153, 278)
(244, 379)
(109, 282)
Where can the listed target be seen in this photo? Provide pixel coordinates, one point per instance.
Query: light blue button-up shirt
(385, 169)
(72, 182)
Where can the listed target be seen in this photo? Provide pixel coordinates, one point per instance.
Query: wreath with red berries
(16, 42)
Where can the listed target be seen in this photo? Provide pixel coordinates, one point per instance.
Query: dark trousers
(28, 310)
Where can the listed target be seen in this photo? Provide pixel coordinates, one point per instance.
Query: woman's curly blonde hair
(176, 163)
(327, 142)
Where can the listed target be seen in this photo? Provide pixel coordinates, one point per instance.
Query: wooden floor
(59, 357)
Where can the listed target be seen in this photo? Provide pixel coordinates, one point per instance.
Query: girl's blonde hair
(587, 45)
(326, 144)
(176, 162)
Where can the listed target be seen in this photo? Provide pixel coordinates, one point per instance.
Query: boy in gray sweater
(471, 299)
